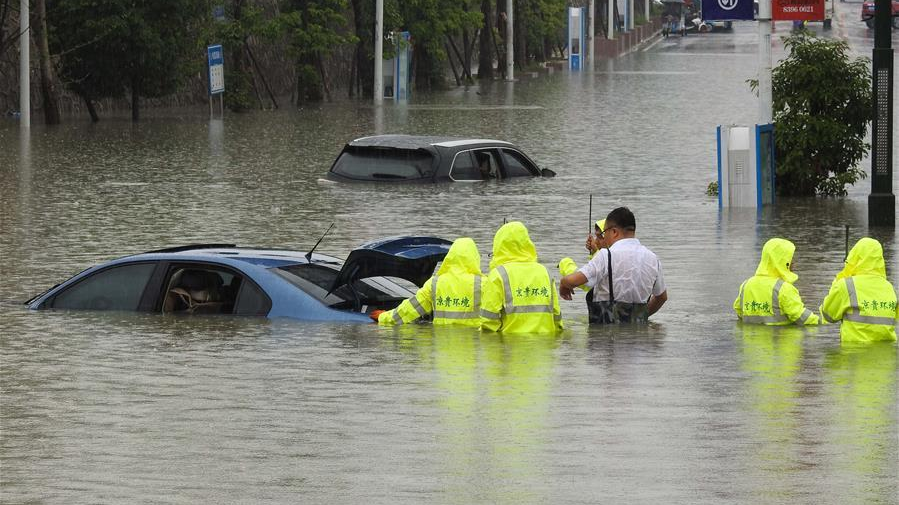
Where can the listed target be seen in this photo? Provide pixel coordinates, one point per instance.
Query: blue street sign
(216, 60)
(727, 10)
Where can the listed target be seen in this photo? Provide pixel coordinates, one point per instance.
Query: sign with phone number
(797, 10)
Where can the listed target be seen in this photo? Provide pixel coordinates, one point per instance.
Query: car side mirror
(545, 172)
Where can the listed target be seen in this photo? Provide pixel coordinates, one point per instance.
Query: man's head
(599, 239)
(620, 223)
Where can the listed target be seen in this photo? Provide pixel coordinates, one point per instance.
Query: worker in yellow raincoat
(452, 296)
(769, 296)
(519, 295)
(862, 297)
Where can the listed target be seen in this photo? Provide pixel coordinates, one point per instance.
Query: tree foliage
(822, 107)
(110, 46)
(314, 29)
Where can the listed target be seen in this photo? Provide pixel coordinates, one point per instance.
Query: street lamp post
(379, 52)
(766, 105)
(882, 201)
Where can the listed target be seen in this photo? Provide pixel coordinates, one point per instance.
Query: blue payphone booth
(746, 166)
(397, 69)
(576, 22)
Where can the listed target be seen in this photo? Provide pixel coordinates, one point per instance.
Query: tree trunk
(485, 52)
(261, 74)
(466, 54)
(519, 34)
(363, 16)
(48, 76)
(90, 106)
(135, 100)
(452, 65)
(465, 74)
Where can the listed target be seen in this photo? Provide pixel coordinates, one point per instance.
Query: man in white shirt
(627, 280)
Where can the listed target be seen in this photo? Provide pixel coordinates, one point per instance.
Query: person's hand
(565, 292)
(590, 245)
(375, 314)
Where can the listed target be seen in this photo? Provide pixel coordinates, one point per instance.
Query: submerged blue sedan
(226, 279)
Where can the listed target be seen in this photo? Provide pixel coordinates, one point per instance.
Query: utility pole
(510, 53)
(610, 33)
(591, 33)
(24, 65)
(882, 201)
(765, 100)
(379, 52)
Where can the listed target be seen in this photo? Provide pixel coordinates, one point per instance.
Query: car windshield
(318, 279)
(373, 163)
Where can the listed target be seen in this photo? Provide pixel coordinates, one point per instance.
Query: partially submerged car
(409, 158)
(868, 9)
(225, 279)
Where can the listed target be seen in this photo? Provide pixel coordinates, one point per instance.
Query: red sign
(797, 10)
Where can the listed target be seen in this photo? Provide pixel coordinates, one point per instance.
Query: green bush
(822, 107)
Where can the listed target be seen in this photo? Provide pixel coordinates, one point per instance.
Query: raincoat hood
(511, 244)
(865, 258)
(776, 258)
(601, 224)
(462, 258)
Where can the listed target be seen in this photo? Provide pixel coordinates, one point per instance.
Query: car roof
(419, 141)
(259, 256)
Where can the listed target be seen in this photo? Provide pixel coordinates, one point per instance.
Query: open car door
(409, 258)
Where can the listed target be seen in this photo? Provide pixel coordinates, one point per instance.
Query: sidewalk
(626, 42)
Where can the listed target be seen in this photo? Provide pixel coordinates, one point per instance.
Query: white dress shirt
(636, 273)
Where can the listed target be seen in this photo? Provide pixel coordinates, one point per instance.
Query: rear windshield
(372, 163)
(318, 279)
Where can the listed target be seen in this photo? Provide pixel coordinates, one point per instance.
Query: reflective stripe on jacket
(862, 298)
(453, 296)
(519, 295)
(520, 298)
(771, 301)
(769, 296)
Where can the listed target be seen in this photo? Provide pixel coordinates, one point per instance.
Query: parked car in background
(868, 10)
(227, 280)
(409, 158)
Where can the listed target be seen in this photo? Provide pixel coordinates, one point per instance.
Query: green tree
(145, 47)
(822, 107)
(431, 23)
(314, 29)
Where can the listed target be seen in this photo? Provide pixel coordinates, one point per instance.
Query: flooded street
(694, 408)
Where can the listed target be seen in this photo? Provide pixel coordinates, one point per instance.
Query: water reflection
(773, 358)
(861, 386)
(493, 400)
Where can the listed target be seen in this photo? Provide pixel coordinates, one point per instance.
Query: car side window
(516, 165)
(208, 289)
(487, 163)
(464, 168)
(116, 288)
(251, 301)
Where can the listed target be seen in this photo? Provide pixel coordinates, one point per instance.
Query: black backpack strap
(611, 289)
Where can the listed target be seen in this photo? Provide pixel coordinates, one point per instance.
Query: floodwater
(694, 408)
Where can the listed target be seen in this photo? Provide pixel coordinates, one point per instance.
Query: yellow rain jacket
(567, 266)
(769, 296)
(458, 285)
(519, 295)
(862, 297)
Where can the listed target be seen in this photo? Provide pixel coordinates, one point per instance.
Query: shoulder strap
(611, 289)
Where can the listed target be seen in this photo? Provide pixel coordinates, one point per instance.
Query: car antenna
(309, 254)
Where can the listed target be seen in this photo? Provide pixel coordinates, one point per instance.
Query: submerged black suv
(408, 158)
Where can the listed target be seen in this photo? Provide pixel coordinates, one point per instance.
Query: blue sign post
(215, 58)
(576, 17)
(727, 10)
